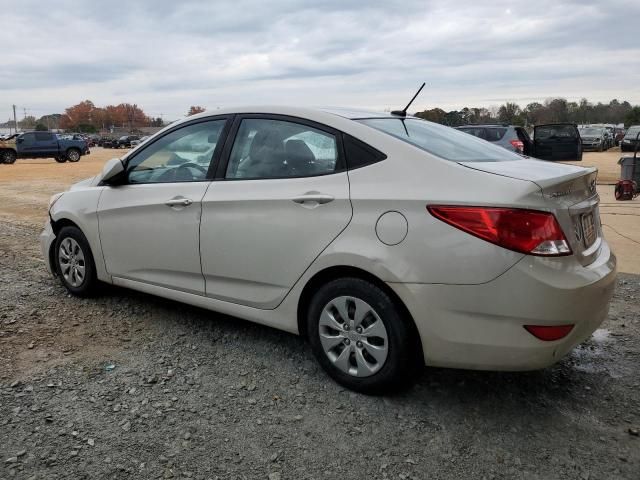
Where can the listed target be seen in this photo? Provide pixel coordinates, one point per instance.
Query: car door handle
(313, 197)
(178, 202)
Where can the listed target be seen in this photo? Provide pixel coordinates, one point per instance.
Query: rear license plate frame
(589, 229)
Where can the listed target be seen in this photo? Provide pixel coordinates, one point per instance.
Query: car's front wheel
(361, 338)
(74, 262)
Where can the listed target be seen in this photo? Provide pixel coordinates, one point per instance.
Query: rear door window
(267, 148)
(43, 136)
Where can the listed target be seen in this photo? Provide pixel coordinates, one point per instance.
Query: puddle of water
(590, 357)
(601, 335)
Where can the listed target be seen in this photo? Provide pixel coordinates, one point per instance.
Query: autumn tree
(86, 117)
(194, 109)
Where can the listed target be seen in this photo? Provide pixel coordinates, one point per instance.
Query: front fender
(80, 207)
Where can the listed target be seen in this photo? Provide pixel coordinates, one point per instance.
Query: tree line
(550, 111)
(86, 117)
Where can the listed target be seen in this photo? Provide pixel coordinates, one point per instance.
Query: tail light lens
(525, 231)
(518, 145)
(549, 333)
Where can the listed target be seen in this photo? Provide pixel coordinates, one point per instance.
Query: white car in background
(388, 241)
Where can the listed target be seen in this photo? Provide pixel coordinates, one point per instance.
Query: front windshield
(445, 142)
(591, 131)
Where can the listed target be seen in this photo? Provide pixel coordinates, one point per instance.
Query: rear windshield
(493, 134)
(445, 142)
(555, 131)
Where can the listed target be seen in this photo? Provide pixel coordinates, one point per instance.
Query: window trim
(221, 170)
(379, 156)
(214, 159)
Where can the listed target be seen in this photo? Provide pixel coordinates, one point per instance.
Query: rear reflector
(549, 333)
(525, 231)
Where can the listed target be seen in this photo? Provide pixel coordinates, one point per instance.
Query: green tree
(41, 127)
(632, 117)
(509, 113)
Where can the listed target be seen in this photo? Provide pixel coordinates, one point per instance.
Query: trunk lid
(568, 191)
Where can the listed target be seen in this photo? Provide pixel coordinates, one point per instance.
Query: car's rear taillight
(549, 333)
(525, 231)
(517, 144)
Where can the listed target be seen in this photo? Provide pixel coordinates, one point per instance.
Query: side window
(28, 138)
(183, 155)
(266, 148)
(359, 154)
(43, 136)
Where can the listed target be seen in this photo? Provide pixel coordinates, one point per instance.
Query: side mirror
(111, 169)
(19, 140)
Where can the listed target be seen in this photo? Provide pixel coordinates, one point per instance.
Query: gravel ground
(131, 386)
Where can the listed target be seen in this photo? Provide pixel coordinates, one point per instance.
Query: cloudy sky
(168, 55)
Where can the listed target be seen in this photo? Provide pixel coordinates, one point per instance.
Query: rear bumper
(481, 326)
(47, 237)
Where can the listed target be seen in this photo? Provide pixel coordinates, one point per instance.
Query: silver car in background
(388, 241)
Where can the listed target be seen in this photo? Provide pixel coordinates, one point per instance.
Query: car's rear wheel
(8, 156)
(361, 338)
(73, 155)
(61, 159)
(74, 262)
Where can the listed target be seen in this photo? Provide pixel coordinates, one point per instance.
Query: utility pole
(15, 121)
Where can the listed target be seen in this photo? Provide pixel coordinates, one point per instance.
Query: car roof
(473, 125)
(304, 112)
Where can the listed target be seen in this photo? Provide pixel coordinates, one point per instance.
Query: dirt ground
(129, 386)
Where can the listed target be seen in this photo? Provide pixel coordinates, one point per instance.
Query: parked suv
(559, 141)
(506, 136)
(628, 143)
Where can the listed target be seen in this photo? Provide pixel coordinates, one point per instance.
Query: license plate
(589, 229)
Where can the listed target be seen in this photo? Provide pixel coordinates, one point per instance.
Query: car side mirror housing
(112, 169)
(19, 140)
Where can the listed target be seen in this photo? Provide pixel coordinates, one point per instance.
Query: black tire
(403, 363)
(61, 159)
(73, 155)
(8, 157)
(88, 284)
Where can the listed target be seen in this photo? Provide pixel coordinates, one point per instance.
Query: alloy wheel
(72, 262)
(353, 336)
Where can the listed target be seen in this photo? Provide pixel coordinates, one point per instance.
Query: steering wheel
(193, 165)
(182, 171)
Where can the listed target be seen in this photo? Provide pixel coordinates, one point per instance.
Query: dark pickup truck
(42, 145)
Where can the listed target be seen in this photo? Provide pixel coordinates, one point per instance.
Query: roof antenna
(403, 112)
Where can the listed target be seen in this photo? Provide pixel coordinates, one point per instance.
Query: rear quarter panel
(432, 251)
